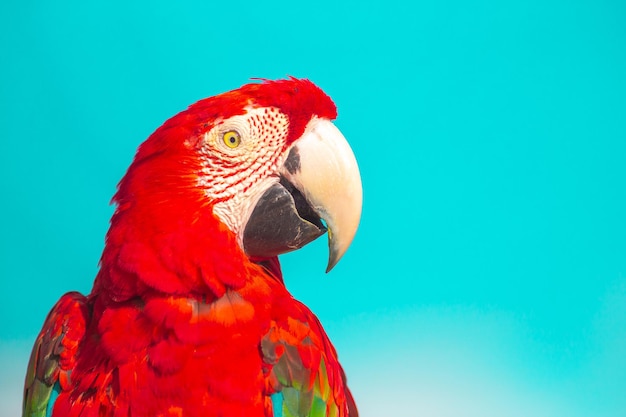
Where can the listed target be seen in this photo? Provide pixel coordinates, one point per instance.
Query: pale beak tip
(333, 259)
(336, 249)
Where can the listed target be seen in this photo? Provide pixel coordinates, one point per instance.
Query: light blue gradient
(488, 277)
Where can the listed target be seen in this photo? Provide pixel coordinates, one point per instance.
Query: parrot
(189, 314)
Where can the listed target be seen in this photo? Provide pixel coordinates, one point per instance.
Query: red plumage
(180, 322)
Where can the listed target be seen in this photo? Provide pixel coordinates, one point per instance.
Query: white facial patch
(235, 177)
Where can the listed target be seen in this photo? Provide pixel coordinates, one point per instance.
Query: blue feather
(277, 404)
(56, 389)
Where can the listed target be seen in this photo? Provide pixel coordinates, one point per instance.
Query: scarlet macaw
(189, 315)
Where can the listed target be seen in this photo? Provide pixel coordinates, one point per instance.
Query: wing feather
(53, 356)
(304, 376)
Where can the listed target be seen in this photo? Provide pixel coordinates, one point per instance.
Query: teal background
(488, 274)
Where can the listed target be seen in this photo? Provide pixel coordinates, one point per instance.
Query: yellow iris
(232, 139)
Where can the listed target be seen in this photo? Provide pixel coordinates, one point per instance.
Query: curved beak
(320, 182)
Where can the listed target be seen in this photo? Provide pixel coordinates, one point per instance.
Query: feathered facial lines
(245, 137)
(240, 150)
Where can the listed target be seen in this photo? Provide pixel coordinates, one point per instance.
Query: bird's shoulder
(304, 377)
(54, 354)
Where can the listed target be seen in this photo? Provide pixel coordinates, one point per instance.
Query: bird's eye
(232, 139)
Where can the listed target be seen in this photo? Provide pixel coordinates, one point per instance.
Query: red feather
(178, 311)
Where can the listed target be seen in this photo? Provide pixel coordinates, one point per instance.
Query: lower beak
(320, 183)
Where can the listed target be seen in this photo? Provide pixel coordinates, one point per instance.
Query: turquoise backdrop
(488, 277)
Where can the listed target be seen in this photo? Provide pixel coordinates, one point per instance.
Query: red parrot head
(236, 178)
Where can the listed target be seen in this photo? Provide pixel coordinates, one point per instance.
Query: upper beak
(319, 180)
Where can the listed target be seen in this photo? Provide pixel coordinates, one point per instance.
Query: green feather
(318, 408)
